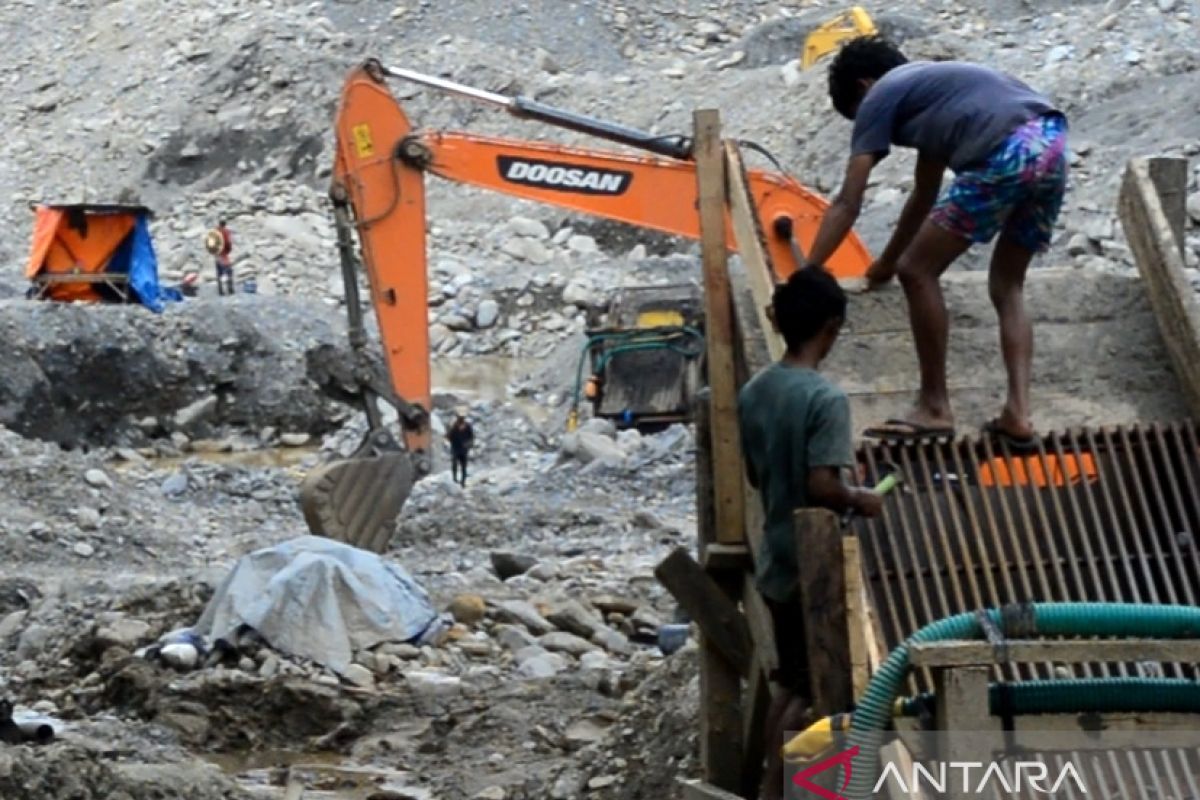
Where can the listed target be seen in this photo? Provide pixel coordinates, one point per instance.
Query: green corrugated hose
(1038, 619)
(1098, 695)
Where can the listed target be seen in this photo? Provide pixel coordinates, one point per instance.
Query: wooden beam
(726, 558)
(1170, 179)
(718, 329)
(709, 605)
(823, 599)
(721, 736)
(761, 625)
(706, 522)
(856, 616)
(698, 790)
(756, 703)
(756, 260)
(1078, 651)
(1152, 239)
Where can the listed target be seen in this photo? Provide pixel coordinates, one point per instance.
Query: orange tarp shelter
(78, 240)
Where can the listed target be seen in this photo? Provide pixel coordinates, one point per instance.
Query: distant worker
(461, 437)
(220, 244)
(1006, 144)
(796, 437)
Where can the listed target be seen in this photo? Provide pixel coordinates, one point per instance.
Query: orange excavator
(379, 202)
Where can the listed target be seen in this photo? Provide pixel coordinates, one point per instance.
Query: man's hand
(867, 503)
(879, 274)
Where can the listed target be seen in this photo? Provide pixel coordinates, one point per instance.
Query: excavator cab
(644, 366)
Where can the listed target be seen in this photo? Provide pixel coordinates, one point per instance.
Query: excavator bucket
(833, 34)
(357, 499)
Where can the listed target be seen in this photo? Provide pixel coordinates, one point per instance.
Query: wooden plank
(823, 598)
(721, 737)
(1075, 651)
(856, 616)
(698, 790)
(761, 625)
(726, 558)
(718, 329)
(706, 522)
(1149, 231)
(756, 703)
(756, 261)
(1170, 178)
(709, 605)
(962, 707)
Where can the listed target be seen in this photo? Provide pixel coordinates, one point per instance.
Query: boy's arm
(828, 449)
(842, 213)
(927, 182)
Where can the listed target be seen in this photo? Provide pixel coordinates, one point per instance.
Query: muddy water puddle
(486, 378)
(278, 457)
(311, 776)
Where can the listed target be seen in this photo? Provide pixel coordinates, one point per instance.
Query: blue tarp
(136, 258)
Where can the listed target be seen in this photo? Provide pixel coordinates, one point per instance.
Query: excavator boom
(378, 194)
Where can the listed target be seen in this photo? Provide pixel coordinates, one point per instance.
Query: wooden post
(856, 616)
(718, 329)
(1149, 231)
(706, 522)
(1170, 179)
(725, 655)
(962, 707)
(823, 599)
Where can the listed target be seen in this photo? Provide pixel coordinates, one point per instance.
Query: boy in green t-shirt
(795, 430)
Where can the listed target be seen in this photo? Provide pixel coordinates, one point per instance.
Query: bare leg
(1006, 286)
(785, 714)
(920, 269)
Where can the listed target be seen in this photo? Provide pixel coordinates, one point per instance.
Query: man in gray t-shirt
(1006, 144)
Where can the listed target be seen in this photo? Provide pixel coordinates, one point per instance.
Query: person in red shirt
(224, 261)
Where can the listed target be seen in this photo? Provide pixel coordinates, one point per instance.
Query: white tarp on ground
(319, 599)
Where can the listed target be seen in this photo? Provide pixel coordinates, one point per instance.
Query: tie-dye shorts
(1017, 191)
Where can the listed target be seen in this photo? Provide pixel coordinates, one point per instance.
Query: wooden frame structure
(845, 641)
(738, 648)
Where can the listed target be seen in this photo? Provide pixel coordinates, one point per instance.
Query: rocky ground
(141, 455)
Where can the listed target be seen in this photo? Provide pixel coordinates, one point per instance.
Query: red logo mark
(842, 759)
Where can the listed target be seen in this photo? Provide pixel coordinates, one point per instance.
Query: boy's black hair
(803, 305)
(864, 58)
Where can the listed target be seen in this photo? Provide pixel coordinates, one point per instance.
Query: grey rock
(523, 613)
(561, 642)
(579, 292)
(456, 322)
(1080, 245)
(294, 439)
(1193, 207)
(269, 667)
(11, 623)
(613, 641)
(98, 479)
(572, 617)
(87, 518)
(195, 412)
(513, 638)
(526, 249)
(599, 425)
(359, 676)
(509, 565)
(530, 228)
(33, 641)
(175, 485)
(584, 245)
(487, 313)
(542, 665)
(124, 632)
(589, 447)
(83, 550)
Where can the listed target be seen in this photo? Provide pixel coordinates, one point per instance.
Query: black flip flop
(1016, 445)
(907, 431)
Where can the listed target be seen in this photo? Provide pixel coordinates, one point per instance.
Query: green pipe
(638, 339)
(874, 711)
(1096, 695)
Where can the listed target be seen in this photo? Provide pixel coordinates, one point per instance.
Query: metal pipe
(674, 146)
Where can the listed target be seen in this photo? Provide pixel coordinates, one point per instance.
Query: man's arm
(927, 182)
(844, 210)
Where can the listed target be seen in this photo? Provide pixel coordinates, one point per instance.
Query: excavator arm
(379, 198)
